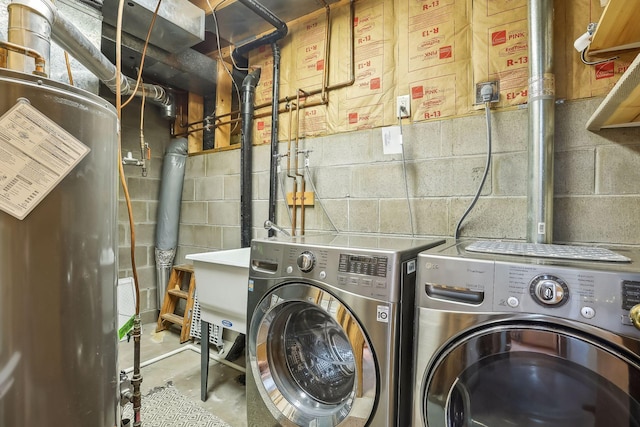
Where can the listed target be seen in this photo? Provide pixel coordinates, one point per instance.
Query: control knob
(548, 290)
(306, 261)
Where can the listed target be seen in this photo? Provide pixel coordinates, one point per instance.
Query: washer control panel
(377, 267)
(369, 265)
(369, 274)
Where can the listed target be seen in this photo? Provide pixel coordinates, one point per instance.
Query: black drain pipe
(247, 115)
(248, 96)
(273, 173)
(279, 32)
(247, 108)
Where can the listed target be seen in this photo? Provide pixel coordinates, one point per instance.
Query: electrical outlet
(495, 91)
(403, 106)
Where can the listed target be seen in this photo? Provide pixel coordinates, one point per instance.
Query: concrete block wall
(144, 193)
(210, 214)
(597, 185)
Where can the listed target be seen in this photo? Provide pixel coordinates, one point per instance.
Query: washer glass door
(520, 376)
(311, 356)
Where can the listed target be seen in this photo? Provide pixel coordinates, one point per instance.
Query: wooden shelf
(621, 107)
(618, 28)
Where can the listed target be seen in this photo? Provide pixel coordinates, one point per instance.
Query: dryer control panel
(598, 294)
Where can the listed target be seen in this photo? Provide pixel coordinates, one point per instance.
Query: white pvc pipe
(188, 347)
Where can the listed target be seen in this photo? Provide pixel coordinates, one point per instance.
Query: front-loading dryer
(513, 340)
(330, 330)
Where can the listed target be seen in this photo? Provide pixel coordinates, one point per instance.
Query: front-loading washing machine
(522, 340)
(330, 325)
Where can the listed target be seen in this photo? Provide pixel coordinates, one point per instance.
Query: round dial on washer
(306, 261)
(548, 290)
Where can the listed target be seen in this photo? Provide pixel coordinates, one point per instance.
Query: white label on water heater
(35, 155)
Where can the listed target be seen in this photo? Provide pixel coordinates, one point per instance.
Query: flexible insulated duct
(541, 122)
(248, 96)
(173, 169)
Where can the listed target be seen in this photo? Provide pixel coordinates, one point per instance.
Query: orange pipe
(38, 58)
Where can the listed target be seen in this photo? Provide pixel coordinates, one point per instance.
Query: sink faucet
(268, 225)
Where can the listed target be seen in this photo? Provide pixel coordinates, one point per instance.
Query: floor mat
(167, 407)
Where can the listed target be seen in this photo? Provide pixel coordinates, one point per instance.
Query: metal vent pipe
(541, 122)
(32, 23)
(30, 26)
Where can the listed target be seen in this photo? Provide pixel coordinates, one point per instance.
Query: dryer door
(526, 376)
(311, 359)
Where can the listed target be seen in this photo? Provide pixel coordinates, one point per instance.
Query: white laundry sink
(221, 285)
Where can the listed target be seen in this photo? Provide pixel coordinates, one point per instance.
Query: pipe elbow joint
(252, 79)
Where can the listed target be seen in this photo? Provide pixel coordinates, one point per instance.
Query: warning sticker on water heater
(35, 155)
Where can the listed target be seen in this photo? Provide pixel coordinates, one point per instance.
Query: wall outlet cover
(403, 101)
(495, 93)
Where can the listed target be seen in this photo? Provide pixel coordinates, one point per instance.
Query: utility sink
(221, 286)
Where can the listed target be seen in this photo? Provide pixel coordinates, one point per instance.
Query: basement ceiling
(239, 25)
(183, 43)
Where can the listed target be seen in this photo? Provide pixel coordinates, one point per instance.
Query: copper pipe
(294, 207)
(302, 207)
(228, 114)
(68, 63)
(297, 138)
(327, 50)
(325, 78)
(282, 110)
(296, 169)
(209, 127)
(37, 56)
(329, 88)
(206, 119)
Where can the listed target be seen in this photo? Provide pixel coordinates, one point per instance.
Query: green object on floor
(126, 328)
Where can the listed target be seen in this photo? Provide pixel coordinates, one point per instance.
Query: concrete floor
(226, 396)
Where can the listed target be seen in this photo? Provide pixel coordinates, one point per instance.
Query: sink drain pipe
(248, 96)
(238, 53)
